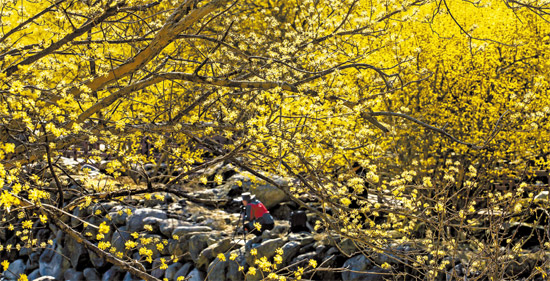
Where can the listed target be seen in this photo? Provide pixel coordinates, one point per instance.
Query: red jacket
(256, 211)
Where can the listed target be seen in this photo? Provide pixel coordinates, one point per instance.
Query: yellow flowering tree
(419, 122)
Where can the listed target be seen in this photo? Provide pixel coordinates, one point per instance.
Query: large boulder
(167, 226)
(233, 273)
(91, 274)
(267, 193)
(290, 250)
(32, 261)
(118, 241)
(119, 214)
(172, 270)
(135, 222)
(197, 243)
(183, 271)
(354, 264)
(153, 246)
(97, 261)
(79, 213)
(51, 262)
(211, 251)
(72, 275)
(265, 249)
(361, 269)
(73, 250)
(35, 274)
(195, 275)
(348, 247)
(157, 272)
(15, 269)
(217, 270)
(114, 273)
(181, 231)
(178, 247)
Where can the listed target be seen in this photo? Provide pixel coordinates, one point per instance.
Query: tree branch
(83, 29)
(435, 129)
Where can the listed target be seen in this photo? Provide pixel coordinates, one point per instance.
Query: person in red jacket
(255, 211)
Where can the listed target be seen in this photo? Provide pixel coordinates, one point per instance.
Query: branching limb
(18, 27)
(83, 29)
(54, 175)
(435, 129)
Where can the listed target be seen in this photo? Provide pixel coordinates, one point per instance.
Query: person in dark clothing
(255, 211)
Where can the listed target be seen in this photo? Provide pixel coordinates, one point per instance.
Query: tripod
(240, 223)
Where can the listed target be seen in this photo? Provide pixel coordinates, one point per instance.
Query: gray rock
(195, 275)
(282, 211)
(104, 207)
(217, 270)
(72, 275)
(290, 250)
(129, 277)
(304, 258)
(330, 262)
(35, 274)
(24, 251)
(153, 246)
(347, 247)
(157, 272)
(93, 223)
(153, 222)
(266, 248)
(211, 251)
(302, 237)
(167, 226)
(96, 260)
(369, 273)
(183, 230)
(281, 227)
(135, 221)
(183, 271)
(91, 168)
(73, 250)
(197, 243)
(178, 247)
(91, 274)
(357, 263)
(15, 269)
(332, 251)
(119, 214)
(382, 258)
(119, 239)
(79, 213)
(154, 201)
(114, 273)
(171, 270)
(268, 194)
(32, 261)
(233, 273)
(319, 249)
(50, 263)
